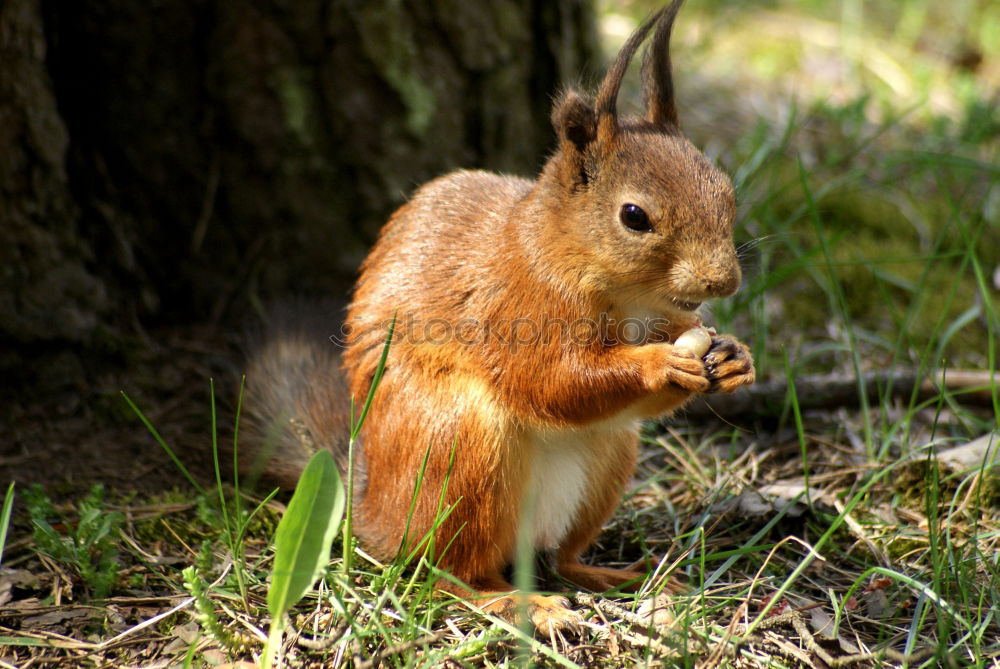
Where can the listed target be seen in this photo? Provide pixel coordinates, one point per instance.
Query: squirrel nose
(723, 287)
(723, 278)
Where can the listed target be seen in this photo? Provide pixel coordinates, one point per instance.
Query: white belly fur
(560, 475)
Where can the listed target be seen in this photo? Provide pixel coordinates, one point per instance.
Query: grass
(870, 209)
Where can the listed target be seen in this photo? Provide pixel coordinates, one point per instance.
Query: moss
(294, 89)
(389, 41)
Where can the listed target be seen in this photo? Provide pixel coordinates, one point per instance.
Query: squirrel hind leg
(600, 579)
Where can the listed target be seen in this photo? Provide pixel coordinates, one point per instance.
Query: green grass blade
(793, 398)
(839, 304)
(163, 444)
(223, 507)
(238, 502)
(355, 431)
(8, 505)
(379, 370)
(24, 642)
(245, 525)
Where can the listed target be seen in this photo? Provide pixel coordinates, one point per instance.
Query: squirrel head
(648, 213)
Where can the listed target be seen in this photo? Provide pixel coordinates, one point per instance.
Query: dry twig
(836, 390)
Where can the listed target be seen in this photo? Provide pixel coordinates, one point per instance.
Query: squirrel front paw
(672, 366)
(728, 364)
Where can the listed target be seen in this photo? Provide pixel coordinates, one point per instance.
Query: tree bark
(47, 291)
(221, 149)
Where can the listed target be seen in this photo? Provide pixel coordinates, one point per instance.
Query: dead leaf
(755, 505)
(657, 611)
(780, 607)
(56, 618)
(821, 623)
(216, 658)
(188, 632)
(982, 452)
(877, 604)
(176, 647)
(26, 604)
(788, 495)
(847, 646)
(15, 578)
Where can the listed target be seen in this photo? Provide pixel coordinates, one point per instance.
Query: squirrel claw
(728, 364)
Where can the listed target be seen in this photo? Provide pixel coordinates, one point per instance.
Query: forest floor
(85, 433)
(800, 545)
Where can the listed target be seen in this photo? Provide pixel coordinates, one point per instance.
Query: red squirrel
(533, 329)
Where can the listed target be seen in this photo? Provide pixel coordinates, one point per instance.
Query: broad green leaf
(305, 534)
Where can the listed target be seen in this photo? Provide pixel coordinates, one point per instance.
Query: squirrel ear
(659, 84)
(575, 121)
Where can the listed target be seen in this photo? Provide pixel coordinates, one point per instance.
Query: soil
(83, 432)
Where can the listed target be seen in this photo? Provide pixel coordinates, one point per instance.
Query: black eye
(634, 218)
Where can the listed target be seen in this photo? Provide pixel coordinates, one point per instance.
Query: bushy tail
(296, 399)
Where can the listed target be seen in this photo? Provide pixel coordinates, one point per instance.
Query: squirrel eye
(634, 218)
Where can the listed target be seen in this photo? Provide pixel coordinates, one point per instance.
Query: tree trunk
(46, 290)
(178, 161)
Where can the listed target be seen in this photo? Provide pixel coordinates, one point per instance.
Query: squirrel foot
(728, 364)
(548, 614)
(552, 614)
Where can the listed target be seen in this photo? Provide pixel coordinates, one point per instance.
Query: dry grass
(876, 565)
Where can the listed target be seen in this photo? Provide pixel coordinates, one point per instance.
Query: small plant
(205, 614)
(89, 545)
(303, 541)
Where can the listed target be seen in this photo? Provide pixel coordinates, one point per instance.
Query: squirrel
(534, 323)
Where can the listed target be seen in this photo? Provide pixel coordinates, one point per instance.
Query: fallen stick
(972, 387)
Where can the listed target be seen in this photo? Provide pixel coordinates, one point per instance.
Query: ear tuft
(659, 84)
(575, 120)
(607, 95)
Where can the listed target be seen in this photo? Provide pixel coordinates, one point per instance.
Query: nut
(696, 340)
